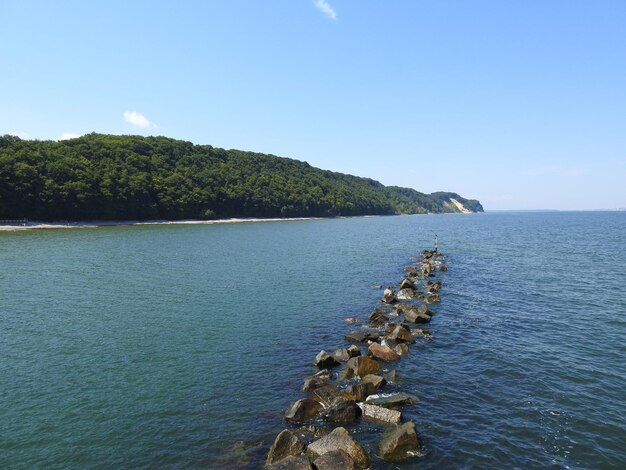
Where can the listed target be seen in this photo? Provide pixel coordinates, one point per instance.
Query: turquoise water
(181, 346)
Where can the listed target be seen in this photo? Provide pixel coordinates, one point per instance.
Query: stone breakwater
(350, 382)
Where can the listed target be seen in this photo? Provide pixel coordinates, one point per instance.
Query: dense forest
(109, 177)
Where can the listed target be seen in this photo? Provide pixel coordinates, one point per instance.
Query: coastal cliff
(109, 177)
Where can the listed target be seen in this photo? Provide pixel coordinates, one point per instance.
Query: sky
(518, 103)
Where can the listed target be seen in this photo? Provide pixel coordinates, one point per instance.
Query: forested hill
(109, 177)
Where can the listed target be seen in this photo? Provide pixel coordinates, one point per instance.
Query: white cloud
(68, 136)
(138, 120)
(20, 134)
(324, 7)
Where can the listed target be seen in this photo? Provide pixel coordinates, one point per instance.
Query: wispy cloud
(20, 134)
(324, 7)
(138, 120)
(68, 136)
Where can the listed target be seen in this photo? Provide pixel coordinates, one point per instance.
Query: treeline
(109, 177)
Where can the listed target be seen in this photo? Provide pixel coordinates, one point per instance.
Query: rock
(378, 413)
(433, 298)
(342, 410)
(378, 317)
(392, 376)
(354, 351)
(406, 294)
(302, 410)
(320, 379)
(335, 460)
(351, 320)
(427, 254)
(392, 399)
(401, 334)
(326, 394)
(407, 284)
(291, 463)
(323, 360)
(411, 271)
(401, 349)
(400, 444)
(341, 355)
(357, 392)
(361, 336)
(382, 352)
(433, 287)
(389, 296)
(286, 444)
(362, 366)
(420, 331)
(376, 286)
(442, 268)
(373, 383)
(413, 315)
(423, 308)
(339, 439)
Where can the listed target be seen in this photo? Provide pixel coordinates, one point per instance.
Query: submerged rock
(389, 296)
(286, 444)
(291, 463)
(323, 360)
(382, 352)
(351, 320)
(339, 439)
(335, 460)
(302, 410)
(392, 399)
(442, 268)
(401, 444)
(379, 413)
(361, 336)
(378, 317)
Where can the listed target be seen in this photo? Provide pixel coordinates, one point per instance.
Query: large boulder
(357, 391)
(286, 444)
(323, 360)
(341, 355)
(335, 460)
(342, 410)
(406, 294)
(291, 463)
(373, 383)
(338, 439)
(392, 400)
(407, 284)
(361, 366)
(354, 351)
(378, 413)
(317, 380)
(378, 317)
(400, 444)
(382, 352)
(415, 316)
(389, 296)
(401, 334)
(302, 410)
(326, 394)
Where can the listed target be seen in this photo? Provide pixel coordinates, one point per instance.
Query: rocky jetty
(356, 382)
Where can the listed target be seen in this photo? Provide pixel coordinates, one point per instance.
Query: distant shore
(31, 225)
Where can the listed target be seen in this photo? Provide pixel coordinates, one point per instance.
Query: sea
(181, 346)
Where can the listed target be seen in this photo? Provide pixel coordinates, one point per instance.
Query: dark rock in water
(315, 381)
(401, 444)
(392, 376)
(389, 327)
(342, 410)
(378, 317)
(442, 268)
(378, 413)
(427, 254)
(401, 349)
(423, 308)
(361, 336)
(392, 399)
(351, 320)
(323, 360)
(376, 286)
(339, 439)
(357, 392)
(335, 460)
(433, 298)
(407, 284)
(341, 355)
(411, 271)
(416, 317)
(286, 444)
(302, 410)
(401, 335)
(433, 287)
(406, 294)
(362, 366)
(420, 331)
(389, 296)
(382, 352)
(373, 383)
(326, 394)
(354, 351)
(291, 463)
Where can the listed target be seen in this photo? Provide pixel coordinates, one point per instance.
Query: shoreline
(34, 225)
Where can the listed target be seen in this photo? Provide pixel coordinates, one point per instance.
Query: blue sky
(521, 104)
